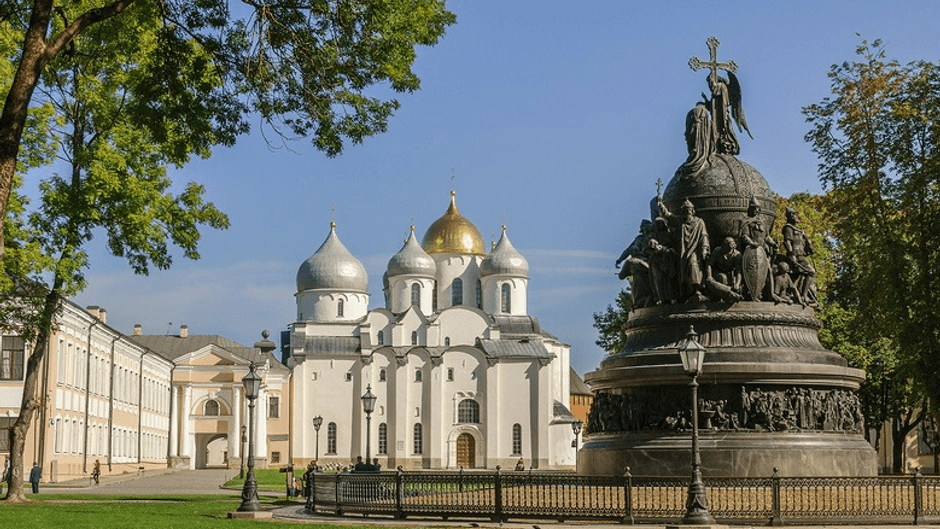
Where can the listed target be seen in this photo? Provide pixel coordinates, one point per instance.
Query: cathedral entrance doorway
(466, 451)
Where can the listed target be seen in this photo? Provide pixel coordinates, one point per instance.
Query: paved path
(168, 481)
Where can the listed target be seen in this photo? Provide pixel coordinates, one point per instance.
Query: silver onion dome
(504, 259)
(332, 267)
(412, 259)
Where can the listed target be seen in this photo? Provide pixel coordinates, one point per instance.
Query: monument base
(740, 454)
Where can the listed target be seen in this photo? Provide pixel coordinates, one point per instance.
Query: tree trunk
(31, 400)
(899, 431)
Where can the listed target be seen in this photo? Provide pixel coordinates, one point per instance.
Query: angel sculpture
(708, 126)
(725, 106)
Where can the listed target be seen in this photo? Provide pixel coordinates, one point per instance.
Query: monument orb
(770, 395)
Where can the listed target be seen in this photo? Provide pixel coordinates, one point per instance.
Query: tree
(877, 138)
(117, 182)
(609, 324)
(307, 67)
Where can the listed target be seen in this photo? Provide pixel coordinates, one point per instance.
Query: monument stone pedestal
(771, 397)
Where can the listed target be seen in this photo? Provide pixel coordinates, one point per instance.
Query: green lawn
(75, 511)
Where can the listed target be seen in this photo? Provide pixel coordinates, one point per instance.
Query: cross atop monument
(712, 63)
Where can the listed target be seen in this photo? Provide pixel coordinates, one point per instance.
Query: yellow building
(103, 398)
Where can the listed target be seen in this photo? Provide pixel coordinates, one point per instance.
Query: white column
(235, 425)
(435, 431)
(543, 388)
(491, 419)
(261, 424)
(174, 421)
(404, 414)
(186, 445)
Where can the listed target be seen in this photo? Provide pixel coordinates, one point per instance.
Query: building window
(456, 292)
(381, 375)
(419, 375)
(274, 407)
(348, 377)
(381, 337)
(414, 337)
(211, 408)
(418, 444)
(479, 294)
(11, 358)
(331, 438)
(6, 423)
(339, 309)
(383, 438)
(468, 411)
(416, 295)
(275, 457)
(517, 439)
(434, 298)
(505, 300)
(450, 374)
(447, 341)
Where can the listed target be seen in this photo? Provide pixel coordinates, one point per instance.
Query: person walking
(96, 471)
(34, 476)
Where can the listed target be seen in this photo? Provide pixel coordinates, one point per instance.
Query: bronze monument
(771, 396)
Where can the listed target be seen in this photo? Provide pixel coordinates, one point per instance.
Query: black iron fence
(501, 496)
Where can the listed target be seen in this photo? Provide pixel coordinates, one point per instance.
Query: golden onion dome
(453, 233)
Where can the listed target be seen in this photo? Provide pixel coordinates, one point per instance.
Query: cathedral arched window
(479, 294)
(381, 337)
(468, 411)
(419, 375)
(414, 337)
(434, 298)
(505, 299)
(331, 438)
(456, 292)
(447, 341)
(517, 439)
(383, 438)
(211, 408)
(416, 295)
(339, 309)
(381, 375)
(418, 439)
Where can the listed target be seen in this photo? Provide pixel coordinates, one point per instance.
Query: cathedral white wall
(323, 305)
(451, 266)
(400, 293)
(462, 325)
(492, 294)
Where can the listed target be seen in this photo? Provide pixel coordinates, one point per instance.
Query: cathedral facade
(463, 376)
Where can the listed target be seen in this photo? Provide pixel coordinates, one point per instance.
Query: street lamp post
(696, 507)
(317, 422)
(576, 428)
(241, 470)
(252, 384)
(368, 406)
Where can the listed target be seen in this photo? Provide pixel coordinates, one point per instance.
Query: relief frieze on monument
(725, 408)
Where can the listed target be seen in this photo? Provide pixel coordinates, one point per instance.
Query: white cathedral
(464, 377)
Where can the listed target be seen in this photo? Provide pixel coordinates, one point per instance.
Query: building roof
(504, 260)
(577, 385)
(561, 414)
(172, 347)
(452, 233)
(523, 348)
(412, 259)
(332, 267)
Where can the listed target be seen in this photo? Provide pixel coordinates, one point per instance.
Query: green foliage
(609, 323)
(877, 139)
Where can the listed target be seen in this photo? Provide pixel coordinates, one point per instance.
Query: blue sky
(553, 118)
